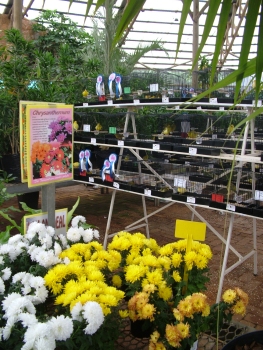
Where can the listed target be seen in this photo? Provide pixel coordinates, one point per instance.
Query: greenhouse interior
(131, 174)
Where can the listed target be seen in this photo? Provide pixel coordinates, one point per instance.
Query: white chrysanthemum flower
(16, 238)
(87, 235)
(8, 300)
(96, 234)
(73, 234)
(18, 277)
(35, 228)
(46, 241)
(27, 319)
(26, 289)
(93, 314)
(36, 281)
(13, 253)
(75, 221)
(6, 273)
(37, 336)
(39, 296)
(62, 327)
(2, 286)
(8, 327)
(50, 231)
(34, 252)
(57, 249)
(76, 312)
(18, 306)
(47, 258)
(63, 241)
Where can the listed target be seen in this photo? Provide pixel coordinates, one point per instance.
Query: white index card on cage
(147, 192)
(116, 185)
(86, 127)
(180, 182)
(258, 195)
(120, 143)
(230, 207)
(213, 100)
(192, 150)
(93, 141)
(156, 146)
(91, 179)
(85, 104)
(190, 200)
(154, 87)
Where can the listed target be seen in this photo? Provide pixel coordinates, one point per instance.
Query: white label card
(165, 99)
(179, 182)
(120, 143)
(147, 192)
(214, 136)
(116, 185)
(210, 166)
(85, 104)
(93, 141)
(192, 150)
(156, 146)
(91, 179)
(199, 107)
(177, 107)
(231, 207)
(190, 200)
(259, 104)
(213, 100)
(86, 127)
(110, 102)
(221, 108)
(136, 101)
(259, 195)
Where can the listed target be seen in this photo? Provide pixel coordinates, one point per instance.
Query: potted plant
(40, 273)
(165, 285)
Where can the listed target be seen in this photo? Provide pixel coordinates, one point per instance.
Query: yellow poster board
(184, 229)
(22, 129)
(49, 130)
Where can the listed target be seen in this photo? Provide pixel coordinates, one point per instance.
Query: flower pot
(141, 328)
(245, 340)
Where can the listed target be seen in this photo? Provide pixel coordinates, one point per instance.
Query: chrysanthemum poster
(49, 143)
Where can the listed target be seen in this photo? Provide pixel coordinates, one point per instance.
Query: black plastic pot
(245, 339)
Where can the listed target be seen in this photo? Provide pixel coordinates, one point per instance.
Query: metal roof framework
(159, 20)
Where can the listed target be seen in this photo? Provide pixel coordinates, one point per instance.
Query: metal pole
(48, 203)
(17, 14)
(195, 42)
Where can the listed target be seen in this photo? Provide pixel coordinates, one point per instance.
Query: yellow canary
(76, 125)
(76, 164)
(98, 127)
(85, 93)
(168, 129)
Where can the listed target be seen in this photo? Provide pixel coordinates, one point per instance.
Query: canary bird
(75, 125)
(168, 129)
(85, 93)
(98, 127)
(76, 164)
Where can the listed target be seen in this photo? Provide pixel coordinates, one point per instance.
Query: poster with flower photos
(49, 144)
(22, 129)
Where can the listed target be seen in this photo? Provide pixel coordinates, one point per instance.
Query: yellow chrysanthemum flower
(180, 245)
(160, 346)
(150, 260)
(229, 296)
(149, 288)
(152, 244)
(116, 281)
(185, 307)
(155, 277)
(166, 250)
(239, 308)
(155, 336)
(95, 275)
(184, 329)
(190, 259)
(206, 310)
(176, 259)
(135, 272)
(124, 313)
(105, 309)
(201, 262)
(177, 315)
(108, 300)
(148, 311)
(176, 276)
(165, 262)
(173, 335)
(198, 302)
(165, 292)
(242, 295)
